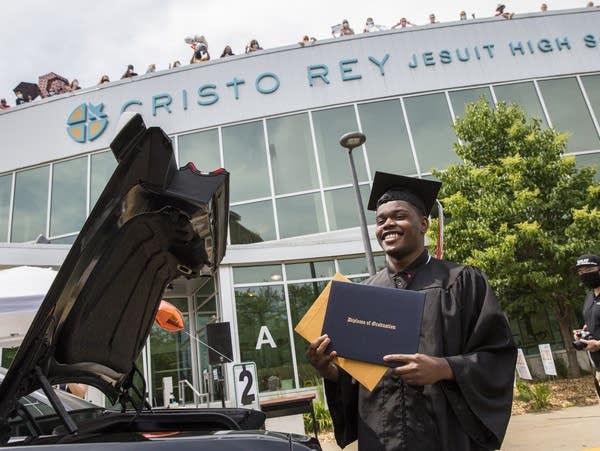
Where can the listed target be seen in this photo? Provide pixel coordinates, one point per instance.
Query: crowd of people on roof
(200, 53)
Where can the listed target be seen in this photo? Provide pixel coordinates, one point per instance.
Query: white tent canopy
(22, 290)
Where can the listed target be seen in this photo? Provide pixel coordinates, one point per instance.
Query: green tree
(521, 211)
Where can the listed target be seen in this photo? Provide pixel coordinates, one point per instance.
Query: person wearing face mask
(20, 98)
(588, 270)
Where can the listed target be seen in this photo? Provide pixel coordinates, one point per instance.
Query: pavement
(573, 429)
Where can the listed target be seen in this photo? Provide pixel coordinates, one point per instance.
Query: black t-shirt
(591, 315)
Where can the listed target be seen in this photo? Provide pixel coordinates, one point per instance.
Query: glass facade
(170, 356)
(569, 113)
(290, 146)
(530, 330)
(205, 311)
(329, 125)
(591, 85)
(201, 148)
(388, 145)
(589, 159)
(431, 127)
(460, 99)
(289, 175)
(524, 95)
(68, 204)
(251, 223)
(290, 178)
(102, 166)
(30, 204)
(342, 210)
(245, 157)
(5, 192)
(264, 335)
(300, 215)
(302, 296)
(270, 300)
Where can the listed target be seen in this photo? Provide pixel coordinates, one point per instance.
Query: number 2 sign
(246, 385)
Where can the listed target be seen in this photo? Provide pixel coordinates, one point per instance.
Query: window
(251, 223)
(524, 95)
(300, 215)
(575, 118)
(358, 265)
(388, 147)
(302, 296)
(200, 148)
(69, 192)
(264, 335)
(5, 191)
(432, 132)
(171, 356)
(246, 159)
(205, 305)
(342, 210)
(533, 329)
(263, 325)
(591, 84)
(31, 204)
(589, 159)
(102, 167)
(257, 274)
(291, 152)
(329, 126)
(460, 99)
(310, 270)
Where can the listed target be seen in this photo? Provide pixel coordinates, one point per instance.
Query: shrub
(536, 394)
(541, 396)
(322, 417)
(524, 392)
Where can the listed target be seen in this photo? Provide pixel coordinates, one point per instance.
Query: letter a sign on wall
(246, 385)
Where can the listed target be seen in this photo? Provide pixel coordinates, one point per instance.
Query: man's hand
(577, 332)
(592, 345)
(420, 369)
(322, 362)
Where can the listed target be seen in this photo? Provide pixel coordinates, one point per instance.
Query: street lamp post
(349, 141)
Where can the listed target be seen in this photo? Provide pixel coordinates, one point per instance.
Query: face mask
(590, 279)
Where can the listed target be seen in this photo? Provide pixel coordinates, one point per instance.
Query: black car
(36, 406)
(152, 224)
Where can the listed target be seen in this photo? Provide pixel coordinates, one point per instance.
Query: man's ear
(424, 225)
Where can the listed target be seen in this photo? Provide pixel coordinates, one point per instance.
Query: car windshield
(40, 409)
(38, 404)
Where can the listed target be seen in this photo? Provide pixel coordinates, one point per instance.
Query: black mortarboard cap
(419, 192)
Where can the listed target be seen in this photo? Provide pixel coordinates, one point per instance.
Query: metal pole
(363, 221)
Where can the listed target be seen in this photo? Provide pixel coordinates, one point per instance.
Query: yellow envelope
(310, 327)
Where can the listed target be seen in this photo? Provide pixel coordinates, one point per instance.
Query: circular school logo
(87, 122)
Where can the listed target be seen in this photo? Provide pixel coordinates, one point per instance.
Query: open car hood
(153, 223)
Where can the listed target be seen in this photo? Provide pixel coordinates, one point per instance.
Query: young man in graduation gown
(455, 394)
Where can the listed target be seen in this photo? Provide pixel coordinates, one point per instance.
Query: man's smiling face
(400, 229)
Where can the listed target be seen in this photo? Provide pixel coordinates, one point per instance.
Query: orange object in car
(169, 317)
(151, 435)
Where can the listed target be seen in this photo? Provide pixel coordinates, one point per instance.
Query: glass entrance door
(170, 356)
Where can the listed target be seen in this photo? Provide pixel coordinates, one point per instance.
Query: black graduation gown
(463, 322)
(591, 316)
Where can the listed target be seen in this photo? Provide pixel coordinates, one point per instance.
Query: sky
(85, 39)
